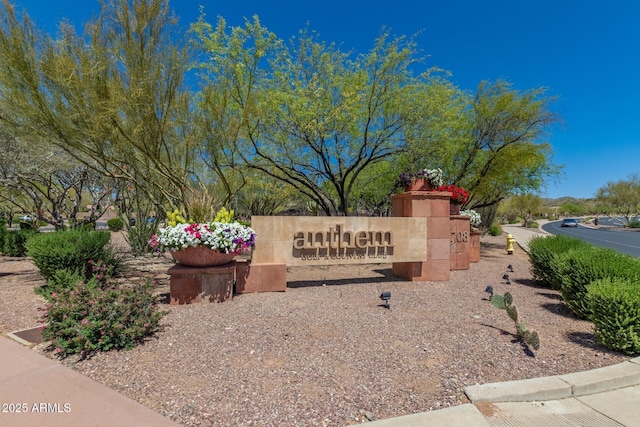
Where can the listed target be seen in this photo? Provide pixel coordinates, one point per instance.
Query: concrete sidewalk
(37, 391)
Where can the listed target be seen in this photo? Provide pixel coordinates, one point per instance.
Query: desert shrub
(543, 251)
(115, 224)
(139, 235)
(615, 313)
(3, 234)
(87, 226)
(60, 280)
(93, 317)
(15, 242)
(579, 268)
(495, 229)
(634, 224)
(70, 250)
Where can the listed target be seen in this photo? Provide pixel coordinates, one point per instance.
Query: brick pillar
(434, 205)
(474, 254)
(460, 242)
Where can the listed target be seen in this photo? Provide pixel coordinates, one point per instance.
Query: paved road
(627, 242)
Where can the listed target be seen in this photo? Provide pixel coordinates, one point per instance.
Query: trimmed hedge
(69, 250)
(614, 304)
(579, 268)
(543, 254)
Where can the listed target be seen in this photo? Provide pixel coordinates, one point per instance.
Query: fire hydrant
(510, 242)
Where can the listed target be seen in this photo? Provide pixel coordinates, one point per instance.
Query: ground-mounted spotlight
(489, 290)
(506, 279)
(385, 296)
(510, 268)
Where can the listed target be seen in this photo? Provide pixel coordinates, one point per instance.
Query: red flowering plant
(459, 195)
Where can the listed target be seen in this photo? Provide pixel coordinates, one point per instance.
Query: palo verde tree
(305, 112)
(622, 197)
(113, 98)
(493, 143)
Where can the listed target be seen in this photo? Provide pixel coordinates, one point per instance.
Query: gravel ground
(325, 353)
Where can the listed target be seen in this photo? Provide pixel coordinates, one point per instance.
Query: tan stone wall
(301, 240)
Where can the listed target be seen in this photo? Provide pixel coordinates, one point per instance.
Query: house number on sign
(459, 236)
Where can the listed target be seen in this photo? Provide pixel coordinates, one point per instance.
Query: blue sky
(586, 52)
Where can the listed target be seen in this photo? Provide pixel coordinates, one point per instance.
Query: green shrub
(15, 242)
(60, 281)
(495, 229)
(138, 237)
(87, 226)
(90, 317)
(70, 250)
(579, 268)
(543, 251)
(634, 224)
(3, 234)
(115, 224)
(615, 313)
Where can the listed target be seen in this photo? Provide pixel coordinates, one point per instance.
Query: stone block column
(434, 205)
(460, 242)
(474, 254)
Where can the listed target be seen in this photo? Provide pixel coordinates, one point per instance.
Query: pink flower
(54, 295)
(84, 321)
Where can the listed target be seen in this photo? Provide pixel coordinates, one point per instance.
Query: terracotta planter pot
(454, 209)
(419, 184)
(201, 256)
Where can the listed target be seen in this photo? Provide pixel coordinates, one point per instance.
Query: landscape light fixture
(385, 296)
(489, 290)
(510, 268)
(506, 279)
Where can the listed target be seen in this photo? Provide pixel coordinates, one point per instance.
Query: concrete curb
(603, 379)
(584, 383)
(466, 415)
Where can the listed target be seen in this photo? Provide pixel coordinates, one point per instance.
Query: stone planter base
(190, 285)
(474, 252)
(254, 277)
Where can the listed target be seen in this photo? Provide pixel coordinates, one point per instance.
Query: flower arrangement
(434, 176)
(227, 237)
(475, 219)
(459, 195)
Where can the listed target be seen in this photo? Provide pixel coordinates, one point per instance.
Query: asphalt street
(623, 240)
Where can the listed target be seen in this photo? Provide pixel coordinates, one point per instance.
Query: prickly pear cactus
(508, 299)
(498, 301)
(505, 303)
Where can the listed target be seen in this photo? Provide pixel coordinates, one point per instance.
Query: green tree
(113, 98)
(622, 197)
(491, 143)
(306, 113)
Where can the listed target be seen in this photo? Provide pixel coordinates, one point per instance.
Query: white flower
(475, 219)
(434, 176)
(226, 237)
